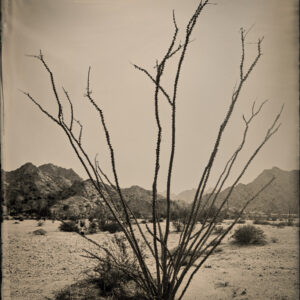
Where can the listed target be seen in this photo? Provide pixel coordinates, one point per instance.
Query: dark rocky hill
(30, 188)
(51, 189)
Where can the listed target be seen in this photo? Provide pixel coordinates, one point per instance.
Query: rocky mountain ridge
(282, 196)
(49, 187)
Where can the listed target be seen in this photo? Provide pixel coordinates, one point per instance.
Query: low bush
(249, 234)
(39, 232)
(69, 226)
(93, 226)
(207, 214)
(111, 227)
(187, 259)
(159, 220)
(144, 221)
(241, 221)
(82, 223)
(218, 249)
(178, 225)
(219, 230)
(280, 224)
(81, 290)
(261, 222)
(285, 223)
(118, 271)
(40, 223)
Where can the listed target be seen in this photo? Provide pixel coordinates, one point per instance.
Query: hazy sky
(109, 35)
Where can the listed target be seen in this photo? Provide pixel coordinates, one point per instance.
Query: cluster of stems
(167, 282)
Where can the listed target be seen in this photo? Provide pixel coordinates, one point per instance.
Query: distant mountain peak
(27, 166)
(59, 171)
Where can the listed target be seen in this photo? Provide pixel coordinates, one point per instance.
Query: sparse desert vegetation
(100, 247)
(53, 266)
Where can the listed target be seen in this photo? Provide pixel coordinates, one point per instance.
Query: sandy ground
(35, 266)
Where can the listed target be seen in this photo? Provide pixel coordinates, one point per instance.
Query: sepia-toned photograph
(149, 150)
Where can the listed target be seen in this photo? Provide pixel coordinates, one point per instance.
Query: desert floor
(35, 266)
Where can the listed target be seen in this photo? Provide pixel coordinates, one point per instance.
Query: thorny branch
(192, 246)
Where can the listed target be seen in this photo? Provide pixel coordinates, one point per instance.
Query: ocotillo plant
(171, 276)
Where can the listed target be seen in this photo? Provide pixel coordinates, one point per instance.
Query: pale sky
(109, 35)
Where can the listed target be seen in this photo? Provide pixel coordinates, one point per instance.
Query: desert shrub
(241, 221)
(216, 250)
(81, 290)
(219, 229)
(210, 213)
(274, 218)
(174, 251)
(111, 227)
(144, 221)
(261, 222)
(82, 223)
(74, 218)
(160, 289)
(69, 226)
(249, 234)
(118, 271)
(280, 224)
(179, 212)
(274, 239)
(40, 223)
(39, 232)
(158, 220)
(93, 226)
(178, 225)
